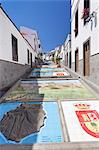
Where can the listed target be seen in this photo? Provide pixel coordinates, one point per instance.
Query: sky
(51, 18)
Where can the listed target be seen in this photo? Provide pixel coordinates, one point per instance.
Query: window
(76, 23)
(14, 49)
(28, 56)
(39, 46)
(86, 10)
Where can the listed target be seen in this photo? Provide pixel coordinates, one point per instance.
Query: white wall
(84, 31)
(67, 47)
(6, 29)
(62, 54)
(68, 43)
(32, 37)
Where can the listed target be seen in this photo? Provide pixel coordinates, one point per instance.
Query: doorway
(76, 60)
(86, 58)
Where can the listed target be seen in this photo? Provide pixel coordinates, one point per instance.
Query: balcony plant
(85, 14)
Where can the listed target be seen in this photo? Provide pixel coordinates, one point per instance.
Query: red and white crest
(89, 119)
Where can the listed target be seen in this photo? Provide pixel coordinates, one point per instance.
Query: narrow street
(49, 75)
(49, 107)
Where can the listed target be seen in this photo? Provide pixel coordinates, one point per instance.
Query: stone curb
(88, 82)
(53, 146)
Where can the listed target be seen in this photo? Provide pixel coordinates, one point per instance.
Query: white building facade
(67, 51)
(57, 53)
(62, 54)
(32, 37)
(16, 53)
(84, 38)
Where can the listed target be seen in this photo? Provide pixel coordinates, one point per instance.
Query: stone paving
(71, 107)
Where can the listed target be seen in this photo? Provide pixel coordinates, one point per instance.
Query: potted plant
(52, 59)
(58, 61)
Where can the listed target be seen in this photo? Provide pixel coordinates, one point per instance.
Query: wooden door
(76, 60)
(86, 60)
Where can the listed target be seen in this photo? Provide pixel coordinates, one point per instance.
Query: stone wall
(94, 69)
(10, 72)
